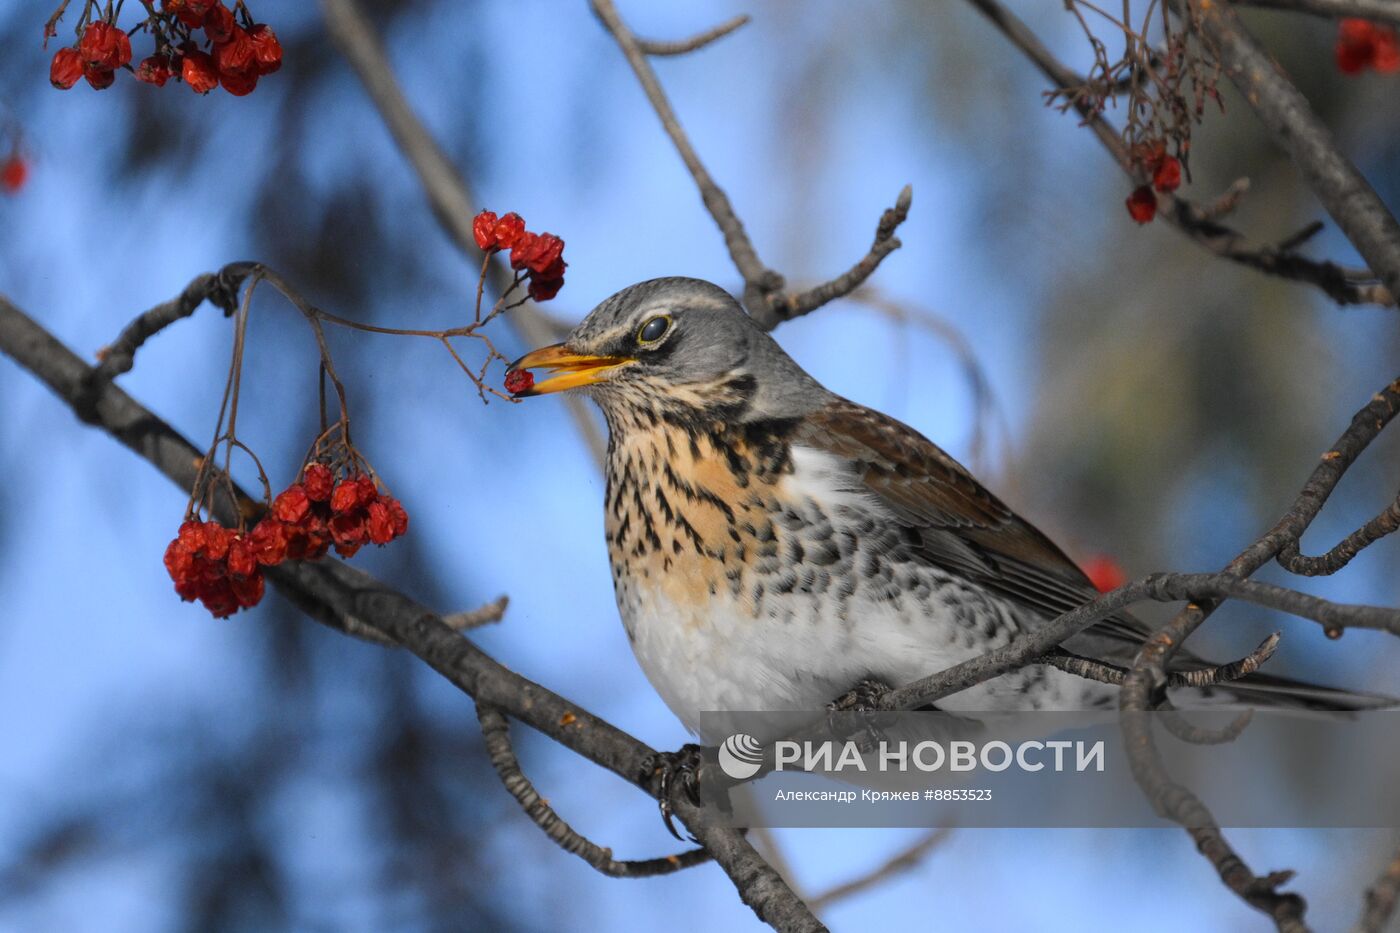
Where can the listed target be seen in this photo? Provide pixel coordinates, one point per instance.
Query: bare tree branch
(885, 243)
(694, 43)
(1388, 10)
(1200, 224)
(1298, 131)
(1174, 800)
(451, 201)
(349, 600)
(763, 287)
(1292, 560)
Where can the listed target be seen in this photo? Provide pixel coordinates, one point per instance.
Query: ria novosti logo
(741, 756)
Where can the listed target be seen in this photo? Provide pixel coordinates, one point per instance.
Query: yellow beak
(574, 369)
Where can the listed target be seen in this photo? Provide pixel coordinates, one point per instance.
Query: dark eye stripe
(654, 329)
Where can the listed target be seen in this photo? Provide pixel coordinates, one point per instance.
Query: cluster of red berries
(223, 568)
(1362, 44)
(1165, 172)
(320, 512)
(539, 255)
(238, 54)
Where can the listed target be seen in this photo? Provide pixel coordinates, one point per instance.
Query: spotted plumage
(773, 544)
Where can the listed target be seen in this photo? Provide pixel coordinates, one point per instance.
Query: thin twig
(1381, 898)
(694, 43)
(493, 611)
(905, 860)
(885, 242)
(1292, 560)
(495, 732)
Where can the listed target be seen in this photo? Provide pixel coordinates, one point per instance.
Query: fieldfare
(773, 544)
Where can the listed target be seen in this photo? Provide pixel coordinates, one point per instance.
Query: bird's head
(674, 344)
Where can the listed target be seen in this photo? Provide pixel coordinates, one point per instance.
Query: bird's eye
(654, 329)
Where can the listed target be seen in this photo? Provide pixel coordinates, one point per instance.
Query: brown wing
(964, 529)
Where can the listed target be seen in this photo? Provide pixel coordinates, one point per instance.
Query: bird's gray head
(679, 346)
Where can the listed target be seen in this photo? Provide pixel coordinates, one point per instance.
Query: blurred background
(165, 771)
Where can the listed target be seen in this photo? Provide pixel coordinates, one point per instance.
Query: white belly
(725, 659)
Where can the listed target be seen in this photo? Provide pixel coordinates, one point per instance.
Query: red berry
(242, 557)
(379, 524)
(543, 253)
(154, 69)
(398, 517)
(66, 69)
(509, 229)
(291, 505)
(191, 12)
(269, 541)
(266, 48)
(219, 24)
(1386, 55)
(519, 380)
(348, 531)
(484, 230)
(1104, 573)
(524, 245)
(238, 85)
(318, 481)
(1167, 177)
(235, 56)
(13, 173)
(248, 591)
(1356, 45)
(198, 71)
(346, 496)
(308, 540)
(217, 539)
(99, 78)
(1142, 204)
(544, 289)
(104, 47)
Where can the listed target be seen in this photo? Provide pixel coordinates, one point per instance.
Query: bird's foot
(864, 697)
(675, 772)
(857, 711)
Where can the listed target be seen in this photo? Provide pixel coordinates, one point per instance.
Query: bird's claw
(864, 699)
(675, 771)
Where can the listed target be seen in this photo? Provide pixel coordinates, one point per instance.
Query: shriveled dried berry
(1142, 204)
(66, 68)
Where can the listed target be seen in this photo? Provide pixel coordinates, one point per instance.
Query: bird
(774, 546)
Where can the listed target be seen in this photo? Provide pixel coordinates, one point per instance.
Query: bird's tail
(1267, 690)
